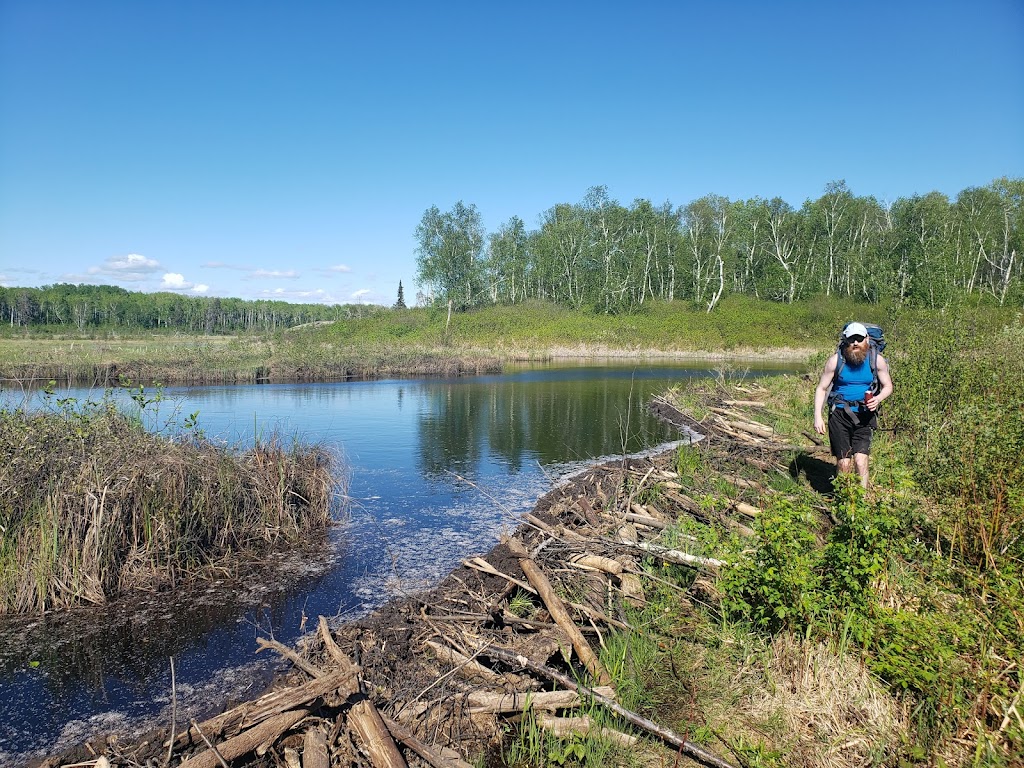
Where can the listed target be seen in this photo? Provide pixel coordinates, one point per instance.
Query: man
(853, 403)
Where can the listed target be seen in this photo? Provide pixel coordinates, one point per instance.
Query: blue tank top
(854, 381)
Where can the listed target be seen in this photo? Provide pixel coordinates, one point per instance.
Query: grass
(883, 628)
(94, 505)
(420, 341)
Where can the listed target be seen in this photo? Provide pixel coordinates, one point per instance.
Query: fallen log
(746, 509)
(597, 563)
(467, 667)
(314, 750)
(558, 612)
(495, 703)
(374, 736)
(247, 741)
(695, 751)
(564, 727)
(674, 555)
(250, 713)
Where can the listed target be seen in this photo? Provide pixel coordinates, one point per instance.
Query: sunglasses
(855, 339)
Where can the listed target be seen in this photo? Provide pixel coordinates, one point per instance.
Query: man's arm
(824, 386)
(882, 370)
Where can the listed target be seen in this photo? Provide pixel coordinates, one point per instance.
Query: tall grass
(91, 504)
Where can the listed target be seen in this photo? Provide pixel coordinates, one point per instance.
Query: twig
(209, 744)
(174, 715)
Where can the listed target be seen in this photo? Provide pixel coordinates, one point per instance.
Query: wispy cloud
(361, 294)
(340, 268)
(315, 296)
(288, 274)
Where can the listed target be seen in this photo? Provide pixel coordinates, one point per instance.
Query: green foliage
(959, 407)
(775, 586)
(858, 547)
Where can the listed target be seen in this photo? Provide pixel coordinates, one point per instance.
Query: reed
(93, 505)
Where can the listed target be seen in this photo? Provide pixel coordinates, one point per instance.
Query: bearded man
(853, 395)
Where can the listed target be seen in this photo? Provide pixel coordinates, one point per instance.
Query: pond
(436, 469)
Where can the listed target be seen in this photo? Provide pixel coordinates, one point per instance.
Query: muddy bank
(439, 678)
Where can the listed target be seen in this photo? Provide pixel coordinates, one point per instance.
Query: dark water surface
(437, 469)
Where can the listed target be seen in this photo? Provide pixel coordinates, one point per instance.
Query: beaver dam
(536, 652)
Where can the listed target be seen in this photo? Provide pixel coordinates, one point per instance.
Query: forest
(89, 308)
(924, 251)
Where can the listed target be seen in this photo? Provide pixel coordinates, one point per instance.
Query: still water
(436, 470)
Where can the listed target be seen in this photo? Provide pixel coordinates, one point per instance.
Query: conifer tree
(400, 303)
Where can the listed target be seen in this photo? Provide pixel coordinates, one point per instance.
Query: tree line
(87, 308)
(925, 250)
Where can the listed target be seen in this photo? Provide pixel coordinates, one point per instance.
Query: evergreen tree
(400, 303)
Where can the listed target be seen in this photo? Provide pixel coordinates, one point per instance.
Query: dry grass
(92, 505)
(827, 708)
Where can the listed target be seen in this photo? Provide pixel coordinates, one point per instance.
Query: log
(675, 556)
(744, 403)
(494, 703)
(438, 758)
(247, 741)
(467, 667)
(314, 750)
(374, 736)
(597, 563)
(564, 727)
(746, 509)
(251, 712)
(558, 612)
(757, 430)
(695, 751)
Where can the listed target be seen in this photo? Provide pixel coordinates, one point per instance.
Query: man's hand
(870, 401)
(819, 425)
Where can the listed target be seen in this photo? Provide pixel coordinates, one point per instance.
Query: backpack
(876, 345)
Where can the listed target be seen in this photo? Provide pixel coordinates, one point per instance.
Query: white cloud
(276, 273)
(172, 281)
(131, 268)
(361, 294)
(340, 268)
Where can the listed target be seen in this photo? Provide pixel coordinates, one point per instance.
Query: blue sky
(288, 150)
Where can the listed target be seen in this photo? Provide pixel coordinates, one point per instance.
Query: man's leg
(844, 466)
(861, 460)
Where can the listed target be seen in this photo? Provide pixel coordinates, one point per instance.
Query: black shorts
(847, 436)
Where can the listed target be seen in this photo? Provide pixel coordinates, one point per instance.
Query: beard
(855, 355)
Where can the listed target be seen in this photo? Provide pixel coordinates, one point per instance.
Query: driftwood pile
(430, 679)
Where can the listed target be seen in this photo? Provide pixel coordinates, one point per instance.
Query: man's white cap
(855, 329)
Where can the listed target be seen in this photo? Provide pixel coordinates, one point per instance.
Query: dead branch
(665, 734)
(439, 758)
(247, 741)
(491, 703)
(557, 610)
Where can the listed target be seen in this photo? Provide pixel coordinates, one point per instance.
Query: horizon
(288, 153)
